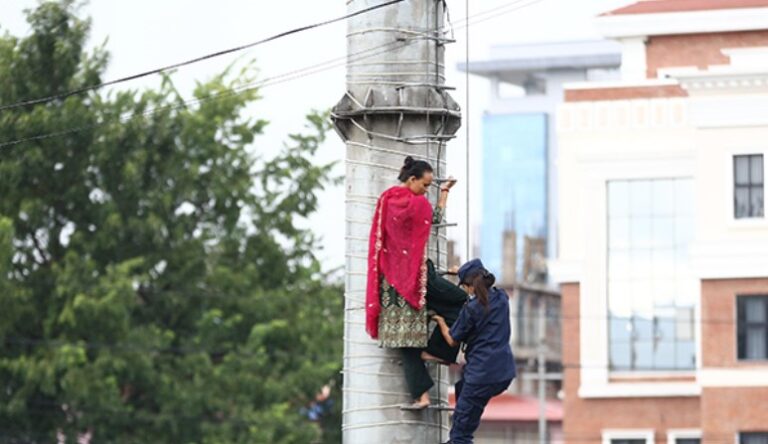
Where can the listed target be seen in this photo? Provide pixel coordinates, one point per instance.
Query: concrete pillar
(395, 105)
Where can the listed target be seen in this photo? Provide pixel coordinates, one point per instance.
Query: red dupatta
(397, 249)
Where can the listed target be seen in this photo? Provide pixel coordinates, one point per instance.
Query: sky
(146, 34)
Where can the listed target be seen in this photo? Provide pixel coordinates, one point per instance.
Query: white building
(663, 248)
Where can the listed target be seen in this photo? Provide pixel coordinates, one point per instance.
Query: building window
(748, 186)
(752, 327)
(684, 436)
(753, 438)
(628, 437)
(652, 293)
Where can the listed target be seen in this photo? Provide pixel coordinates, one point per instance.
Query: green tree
(154, 284)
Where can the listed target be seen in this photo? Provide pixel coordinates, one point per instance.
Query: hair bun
(408, 162)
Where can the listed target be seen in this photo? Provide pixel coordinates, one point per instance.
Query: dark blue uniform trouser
(471, 400)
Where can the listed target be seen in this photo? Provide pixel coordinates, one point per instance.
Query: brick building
(663, 238)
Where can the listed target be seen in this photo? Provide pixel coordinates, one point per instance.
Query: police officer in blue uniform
(483, 326)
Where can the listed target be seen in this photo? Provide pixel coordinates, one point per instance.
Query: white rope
(375, 392)
(413, 140)
(391, 74)
(360, 372)
(388, 150)
(373, 408)
(399, 62)
(359, 202)
(392, 423)
(373, 165)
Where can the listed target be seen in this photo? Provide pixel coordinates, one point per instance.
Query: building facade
(663, 255)
(520, 145)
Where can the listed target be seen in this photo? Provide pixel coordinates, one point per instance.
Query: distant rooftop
(662, 6)
(527, 58)
(518, 408)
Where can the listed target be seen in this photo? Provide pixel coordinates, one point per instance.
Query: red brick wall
(585, 419)
(700, 50)
(718, 310)
(728, 411)
(624, 93)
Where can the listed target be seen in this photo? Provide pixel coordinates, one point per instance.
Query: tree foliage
(155, 284)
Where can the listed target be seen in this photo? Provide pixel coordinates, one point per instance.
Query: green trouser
(417, 376)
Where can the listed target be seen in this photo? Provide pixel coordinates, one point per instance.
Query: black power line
(66, 94)
(277, 79)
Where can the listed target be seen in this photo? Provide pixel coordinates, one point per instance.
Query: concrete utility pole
(542, 376)
(395, 105)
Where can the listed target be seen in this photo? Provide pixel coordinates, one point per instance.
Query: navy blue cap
(468, 268)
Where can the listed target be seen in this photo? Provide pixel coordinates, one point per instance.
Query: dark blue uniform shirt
(489, 356)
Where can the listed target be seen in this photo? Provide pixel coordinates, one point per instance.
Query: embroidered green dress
(401, 325)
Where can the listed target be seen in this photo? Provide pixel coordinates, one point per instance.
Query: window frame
(740, 328)
(740, 435)
(641, 371)
(674, 434)
(749, 186)
(730, 176)
(647, 434)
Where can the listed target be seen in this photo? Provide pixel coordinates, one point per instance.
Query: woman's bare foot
(423, 402)
(419, 404)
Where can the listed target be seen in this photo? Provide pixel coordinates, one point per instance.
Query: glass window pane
(640, 197)
(688, 441)
(664, 355)
(620, 298)
(643, 327)
(684, 320)
(756, 346)
(685, 355)
(618, 199)
(618, 264)
(663, 197)
(756, 202)
(647, 261)
(663, 232)
(618, 233)
(684, 228)
(663, 263)
(643, 354)
(621, 356)
(640, 232)
(755, 309)
(664, 292)
(741, 170)
(640, 262)
(756, 169)
(741, 202)
(753, 438)
(621, 329)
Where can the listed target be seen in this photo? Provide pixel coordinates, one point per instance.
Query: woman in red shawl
(396, 312)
